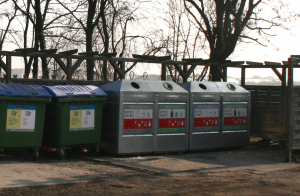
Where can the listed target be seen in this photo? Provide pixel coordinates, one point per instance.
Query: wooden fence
(267, 110)
(274, 110)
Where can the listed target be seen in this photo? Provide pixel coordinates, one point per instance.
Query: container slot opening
(202, 86)
(168, 86)
(231, 87)
(135, 85)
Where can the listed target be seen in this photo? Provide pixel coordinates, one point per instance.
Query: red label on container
(235, 121)
(172, 123)
(206, 122)
(138, 123)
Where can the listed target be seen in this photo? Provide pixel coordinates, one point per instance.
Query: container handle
(209, 77)
(145, 75)
(131, 75)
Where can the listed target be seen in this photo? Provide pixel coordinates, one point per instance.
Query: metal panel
(134, 127)
(204, 115)
(172, 128)
(136, 144)
(235, 115)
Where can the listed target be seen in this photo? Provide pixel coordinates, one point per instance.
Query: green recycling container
(22, 114)
(74, 117)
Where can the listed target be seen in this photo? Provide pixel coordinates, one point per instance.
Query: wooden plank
(254, 63)
(272, 63)
(25, 50)
(49, 51)
(90, 53)
(2, 52)
(113, 54)
(69, 52)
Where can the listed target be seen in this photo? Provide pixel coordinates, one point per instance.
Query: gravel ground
(249, 171)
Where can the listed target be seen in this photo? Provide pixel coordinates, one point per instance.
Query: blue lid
(20, 90)
(75, 91)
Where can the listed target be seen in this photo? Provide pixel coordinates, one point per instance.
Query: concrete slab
(172, 164)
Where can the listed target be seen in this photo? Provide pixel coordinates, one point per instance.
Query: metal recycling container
(74, 116)
(204, 115)
(22, 114)
(144, 117)
(235, 115)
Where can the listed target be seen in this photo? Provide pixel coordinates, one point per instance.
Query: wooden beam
(225, 73)
(253, 63)
(49, 51)
(70, 71)
(185, 70)
(25, 50)
(122, 63)
(61, 64)
(191, 69)
(69, 52)
(182, 74)
(163, 71)
(116, 67)
(277, 73)
(90, 53)
(283, 82)
(8, 72)
(289, 113)
(243, 76)
(76, 65)
(272, 63)
(3, 65)
(2, 52)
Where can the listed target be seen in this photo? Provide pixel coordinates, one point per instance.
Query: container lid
(143, 86)
(75, 91)
(227, 87)
(201, 87)
(20, 90)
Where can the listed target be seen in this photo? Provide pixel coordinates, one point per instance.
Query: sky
(286, 43)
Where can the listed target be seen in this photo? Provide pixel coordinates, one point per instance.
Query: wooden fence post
(289, 112)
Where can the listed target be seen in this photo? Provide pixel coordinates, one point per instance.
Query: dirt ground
(248, 171)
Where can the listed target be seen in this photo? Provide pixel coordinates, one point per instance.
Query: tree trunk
(39, 36)
(89, 47)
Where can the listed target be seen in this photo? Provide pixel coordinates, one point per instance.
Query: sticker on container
(138, 119)
(20, 118)
(172, 118)
(235, 116)
(206, 117)
(82, 118)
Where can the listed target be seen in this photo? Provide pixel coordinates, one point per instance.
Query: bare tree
(226, 23)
